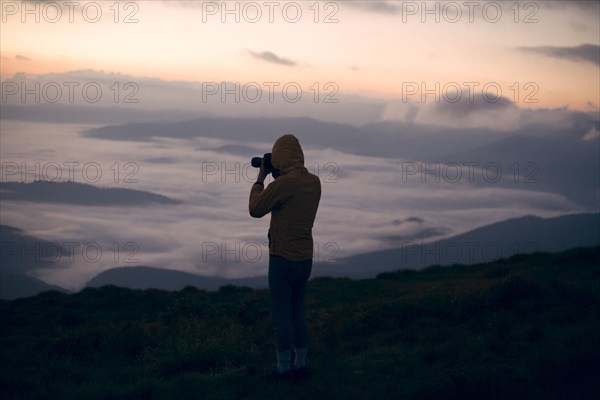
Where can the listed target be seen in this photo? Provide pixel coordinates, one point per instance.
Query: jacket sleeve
(263, 200)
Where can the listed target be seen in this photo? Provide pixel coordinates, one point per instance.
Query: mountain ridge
(520, 235)
(77, 193)
(146, 277)
(516, 235)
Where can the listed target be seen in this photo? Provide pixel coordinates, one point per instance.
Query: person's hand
(261, 173)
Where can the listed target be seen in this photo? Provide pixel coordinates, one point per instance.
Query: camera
(256, 161)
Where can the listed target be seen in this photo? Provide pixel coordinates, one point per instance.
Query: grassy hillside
(523, 328)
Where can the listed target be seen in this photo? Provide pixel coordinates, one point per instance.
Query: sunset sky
(366, 48)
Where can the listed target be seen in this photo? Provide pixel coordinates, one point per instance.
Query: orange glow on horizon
(365, 53)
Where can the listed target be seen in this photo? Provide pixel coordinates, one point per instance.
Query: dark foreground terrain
(523, 328)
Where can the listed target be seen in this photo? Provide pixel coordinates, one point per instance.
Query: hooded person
(292, 199)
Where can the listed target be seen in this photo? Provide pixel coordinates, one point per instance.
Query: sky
(367, 48)
(385, 84)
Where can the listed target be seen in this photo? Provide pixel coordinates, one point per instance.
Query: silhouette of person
(292, 199)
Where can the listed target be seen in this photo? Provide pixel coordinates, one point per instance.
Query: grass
(527, 327)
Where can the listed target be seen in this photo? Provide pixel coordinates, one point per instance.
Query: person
(292, 198)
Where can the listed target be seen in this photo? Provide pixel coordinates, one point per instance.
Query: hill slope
(79, 194)
(166, 279)
(13, 286)
(523, 328)
(503, 239)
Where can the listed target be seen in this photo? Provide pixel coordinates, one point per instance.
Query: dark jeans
(287, 285)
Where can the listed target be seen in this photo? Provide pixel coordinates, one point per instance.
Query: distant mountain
(76, 114)
(382, 139)
(13, 286)
(167, 279)
(21, 253)
(532, 153)
(519, 235)
(409, 141)
(526, 164)
(500, 240)
(243, 129)
(78, 193)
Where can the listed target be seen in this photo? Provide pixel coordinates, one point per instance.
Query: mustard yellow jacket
(292, 199)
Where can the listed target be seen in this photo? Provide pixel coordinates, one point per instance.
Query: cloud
(163, 100)
(272, 58)
(592, 106)
(415, 220)
(478, 104)
(398, 240)
(592, 134)
(583, 53)
(21, 58)
(212, 230)
(487, 112)
(385, 7)
(584, 5)
(161, 160)
(464, 111)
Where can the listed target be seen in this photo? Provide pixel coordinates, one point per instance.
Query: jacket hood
(287, 154)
